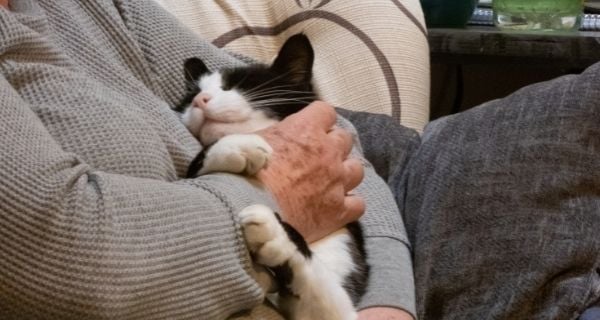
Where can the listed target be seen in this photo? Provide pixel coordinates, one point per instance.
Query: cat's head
(248, 98)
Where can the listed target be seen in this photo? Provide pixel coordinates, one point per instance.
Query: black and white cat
(323, 280)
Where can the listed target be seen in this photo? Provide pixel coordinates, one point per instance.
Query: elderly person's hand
(4, 3)
(310, 174)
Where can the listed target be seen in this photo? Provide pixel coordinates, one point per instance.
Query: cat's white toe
(265, 236)
(260, 225)
(257, 152)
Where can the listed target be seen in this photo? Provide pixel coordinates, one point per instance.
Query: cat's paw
(238, 153)
(265, 236)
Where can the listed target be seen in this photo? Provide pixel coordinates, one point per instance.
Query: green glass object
(543, 15)
(447, 14)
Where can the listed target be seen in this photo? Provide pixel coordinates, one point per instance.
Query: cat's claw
(257, 157)
(265, 236)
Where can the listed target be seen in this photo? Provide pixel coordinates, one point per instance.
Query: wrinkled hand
(309, 173)
(383, 313)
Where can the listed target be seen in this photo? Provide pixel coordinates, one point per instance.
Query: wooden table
(490, 45)
(479, 63)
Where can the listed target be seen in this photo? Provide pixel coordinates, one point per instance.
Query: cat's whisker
(282, 99)
(276, 107)
(279, 102)
(296, 96)
(264, 91)
(261, 103)
(260, 93)
(252, 90)
(278, 93)
(272, 87)
(267, 82)
(244, 79)
(192, 81)
(287, 91)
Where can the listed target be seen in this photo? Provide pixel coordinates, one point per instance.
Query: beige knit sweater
(95, 221)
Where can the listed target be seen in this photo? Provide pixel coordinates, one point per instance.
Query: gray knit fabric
(387, 145)
(502, 204)
(95, 221)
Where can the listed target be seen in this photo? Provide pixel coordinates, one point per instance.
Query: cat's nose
(201, 100)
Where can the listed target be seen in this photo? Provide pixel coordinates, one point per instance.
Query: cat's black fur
(289, 71)
(196, 164)
(292, 71)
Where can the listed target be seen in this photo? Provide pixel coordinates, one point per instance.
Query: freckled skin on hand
(307, 176)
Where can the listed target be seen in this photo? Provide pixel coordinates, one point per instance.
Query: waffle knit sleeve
(391, 282)
(77, 243)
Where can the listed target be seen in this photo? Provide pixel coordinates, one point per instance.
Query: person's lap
(502, 202)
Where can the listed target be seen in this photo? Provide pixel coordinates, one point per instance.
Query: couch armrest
(370, 55)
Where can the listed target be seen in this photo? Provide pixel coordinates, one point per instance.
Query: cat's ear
(295, 59)
(193, 69)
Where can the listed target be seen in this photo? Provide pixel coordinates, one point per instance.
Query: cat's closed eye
(226, 86)
(233, 79)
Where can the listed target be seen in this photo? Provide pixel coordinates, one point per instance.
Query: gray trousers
(501, 202)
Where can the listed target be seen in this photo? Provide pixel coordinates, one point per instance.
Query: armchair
(370, 55)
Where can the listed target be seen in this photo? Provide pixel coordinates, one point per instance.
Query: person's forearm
(81, 243)
(391, 283)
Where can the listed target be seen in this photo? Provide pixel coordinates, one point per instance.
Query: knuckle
(361, 204)
(336, 169)
(354, 167)
(337, 201)
(326, 107)
(346, 134)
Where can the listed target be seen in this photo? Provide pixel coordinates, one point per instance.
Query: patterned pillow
(370, 55)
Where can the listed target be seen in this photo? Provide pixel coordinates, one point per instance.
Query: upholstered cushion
(370, 55)
(502, 205)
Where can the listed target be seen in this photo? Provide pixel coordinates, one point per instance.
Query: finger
(317, 113)
(354, 173)
(341, 140)
(354, 209)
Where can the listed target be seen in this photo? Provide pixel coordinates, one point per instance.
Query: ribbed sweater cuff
(391, 283)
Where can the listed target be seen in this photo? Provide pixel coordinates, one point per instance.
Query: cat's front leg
(237, 153)
(307, 287)
(266, 237)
